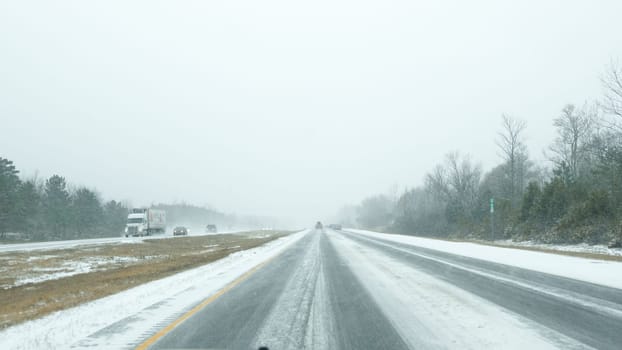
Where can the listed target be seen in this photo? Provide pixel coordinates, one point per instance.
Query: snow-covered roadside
(608, 273)
(430, 313)
(575, 248)
(123, 319)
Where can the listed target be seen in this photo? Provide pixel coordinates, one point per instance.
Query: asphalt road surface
(50, 245)
(340, 290)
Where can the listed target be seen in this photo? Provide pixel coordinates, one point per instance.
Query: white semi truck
(145, 221)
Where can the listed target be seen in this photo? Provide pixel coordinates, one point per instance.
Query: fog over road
(341, 290)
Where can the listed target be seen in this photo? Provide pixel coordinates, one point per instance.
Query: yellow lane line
(147, 343)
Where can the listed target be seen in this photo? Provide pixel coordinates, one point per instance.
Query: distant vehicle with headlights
(180, 231)
(145, 221)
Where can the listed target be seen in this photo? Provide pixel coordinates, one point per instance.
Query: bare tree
(612, 82)
(457, 181)
(436, 183)
(574, 130)
(464, 178)
(514, 153)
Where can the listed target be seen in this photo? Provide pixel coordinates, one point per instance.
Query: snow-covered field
(136, 311)
(608, 273)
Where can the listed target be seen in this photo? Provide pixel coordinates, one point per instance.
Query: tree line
(575, 196)
(51, 209)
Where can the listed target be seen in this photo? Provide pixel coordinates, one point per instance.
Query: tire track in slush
(301, 316)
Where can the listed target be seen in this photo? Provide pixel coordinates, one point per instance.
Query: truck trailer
(145, 221)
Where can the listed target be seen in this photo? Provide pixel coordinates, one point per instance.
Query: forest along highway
(341, 290)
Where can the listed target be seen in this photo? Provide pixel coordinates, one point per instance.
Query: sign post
(492, 219)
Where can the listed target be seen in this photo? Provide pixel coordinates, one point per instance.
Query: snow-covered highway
(62, 244)
(49, 245)
(342, 290)
(353, 290)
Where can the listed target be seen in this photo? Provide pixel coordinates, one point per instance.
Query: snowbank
(575, 248)
(608, 273)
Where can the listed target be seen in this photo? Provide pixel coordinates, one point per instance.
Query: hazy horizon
(285, 109)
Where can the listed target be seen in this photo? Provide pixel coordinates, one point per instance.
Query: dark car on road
(211, 229)
(180, 231)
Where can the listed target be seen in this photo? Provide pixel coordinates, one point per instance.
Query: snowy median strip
(71, 268)
(125, 318)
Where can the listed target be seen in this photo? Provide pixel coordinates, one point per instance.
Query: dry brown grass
(150, 260)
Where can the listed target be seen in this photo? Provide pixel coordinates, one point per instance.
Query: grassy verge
(110, 268)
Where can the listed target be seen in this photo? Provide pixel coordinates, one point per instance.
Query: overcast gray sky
(285, 108)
